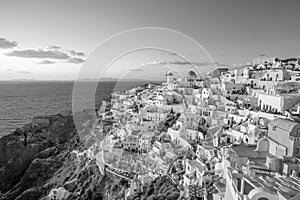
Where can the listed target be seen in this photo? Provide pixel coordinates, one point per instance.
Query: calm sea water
(20, 101)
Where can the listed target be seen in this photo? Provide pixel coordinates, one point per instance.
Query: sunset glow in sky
(50, 40)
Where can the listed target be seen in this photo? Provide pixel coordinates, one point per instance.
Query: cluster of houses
(240, 125)
(233, 134)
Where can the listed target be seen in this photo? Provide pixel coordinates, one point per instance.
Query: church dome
(192, 74)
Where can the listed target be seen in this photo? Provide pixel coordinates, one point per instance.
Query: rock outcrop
(30, 168)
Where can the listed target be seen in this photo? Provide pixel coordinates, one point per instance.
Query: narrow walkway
(121, 173)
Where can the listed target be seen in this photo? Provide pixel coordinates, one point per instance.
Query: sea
(20, 101)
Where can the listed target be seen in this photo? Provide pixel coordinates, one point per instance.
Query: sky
(53, 40)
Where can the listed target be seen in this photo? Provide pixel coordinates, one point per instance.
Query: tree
(25, 138)
(162, 152)
(172, 111)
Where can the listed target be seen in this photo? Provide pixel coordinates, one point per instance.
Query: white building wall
(270, 101)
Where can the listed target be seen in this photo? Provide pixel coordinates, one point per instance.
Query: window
(297, 151)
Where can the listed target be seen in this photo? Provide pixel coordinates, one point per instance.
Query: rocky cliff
(34, 159)
(43, 155)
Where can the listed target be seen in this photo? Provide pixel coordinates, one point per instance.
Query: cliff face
(20, 148)
(48, 159)
(46, 162)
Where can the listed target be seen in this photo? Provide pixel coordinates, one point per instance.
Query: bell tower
(169, 77)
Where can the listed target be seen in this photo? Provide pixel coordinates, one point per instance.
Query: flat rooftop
(243, 150)
(286, 186)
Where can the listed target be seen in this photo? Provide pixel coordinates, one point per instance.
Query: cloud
(173, 54)
(5, 44)
(169, 53)
(76, 53)
(45, 62)
(54, 47)
(24, 72)
(39, 53)
(221, 64)
(135, 70)
(46, 55)
(11, 71)
(178, 62)
(199, 64)
(75, 60)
